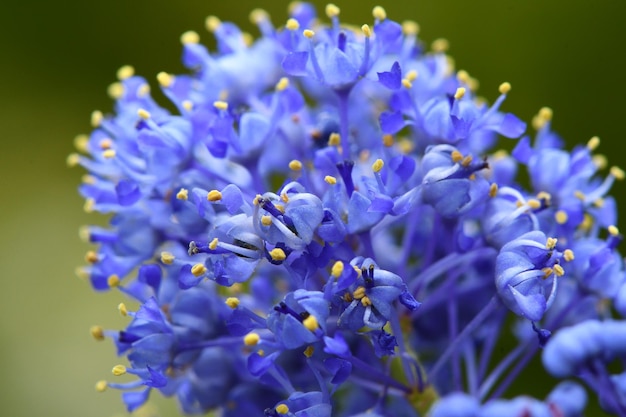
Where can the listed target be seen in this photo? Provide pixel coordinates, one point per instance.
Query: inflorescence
(324, 226)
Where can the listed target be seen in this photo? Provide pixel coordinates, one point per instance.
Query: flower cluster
(324, 227)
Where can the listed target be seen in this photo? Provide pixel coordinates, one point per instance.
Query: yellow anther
(308, 33)
(89, 205)
(124, 72)
(213, 243)
(593, 143)
(388, 140)
(561, 217)
(256, 199)
(258, 16)
(308, 352)
(182, 194)
(143, 90)
(493, 190)
(547, 271)
(334, 139)
(223, 96)
(266, 220)
(551, 243)
(187, 105)
(410, 27)
(542, 195)
(579, 195)
(97, 332)
(411, 75)
(460, 92)
(247, 38)
(295, 165)
(359, 293)
(84, 234)
(282, 408)
(332, 10)
(568, 255)
(587, 222)
(189, 37)
(105, 143)
(558, 270)
(379, 13)
(212, 23)
(108, 154)
(600, 161)
(72, 160)
(81, 142)
(463, 76)
(89, 179)
(121, 307)
(406, 83)
(167, 258)
(278, 254)
(367, 31)
(617, 172)
(456, 156)
(101, 386)
(280, 208)
(165, 79)
(284, 197)
(613, 231)
(96, 118)
(232, 302)
(292, 24)
(504, 88)
(220, 105)
(251, 339)
(198, 270)
(113, 281)
(599, 202)
(472, 177)
(440, 45)
(311, 323)
(546, 113)
(214, 195)
(366, 302)
(378, 165)
(406, 146)
(519, 203)
(337, 269)
(467, 161)
(91, 257)
(144, 114)
(115, 90)
(118, 370)
(534, 204)
(330, 179)
(282, 84)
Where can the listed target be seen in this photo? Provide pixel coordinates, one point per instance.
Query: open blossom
(324, 226)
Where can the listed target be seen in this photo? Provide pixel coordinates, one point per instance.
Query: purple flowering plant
(324, 225)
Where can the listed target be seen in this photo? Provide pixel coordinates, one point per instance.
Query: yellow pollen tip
(189, 37)
(547, 271)
(330, 179)
(292, 24)
(96, 118)
(187, 105)
(115, 90)
(308, 33)
(113, 281)
(440, 45)
(284, 197)
(551, 243)
(560, 217)
(366, 302)
(143, 90)
(97, 332)
(411, 75)
(72, 160)
(282, 408)
(460, 93)
(467, 161)
(600, 161)
(579, 195)
(334, 139)
(124, 72)
(599, 202)
(91, 257)
(311, 323)
(463, 76)
(534, 204)
(456, 156)
(258, 16)
(89, 205)
(144, 114)
(251, 339)
(213, 243)
(308, 352)
(212, 23)
(280, 208)
(593, 143)
(558, 270)
(618, 173)
(105, 143)
(568, 255)
(256, 199)
(295, 165)
(278, 254)
(332, 10)
(121, 307)
(282, 84)
(388, 140)
(337, 269)
(108, 153)
(614, 231)
(410, 28)
(167, 258)
(359, 293)
(378, 165)
(542, 195)
(101, 386)
(379, 13)
(165, 79)
(183, 194)
(367, 31)
(220, 105)
(546, 113)
(198, 270)
(266, 220)
(214, 195)
(493, 190)
(504, 88)
(118, 370)
(81, 142)
(406, 83)
(232, 302)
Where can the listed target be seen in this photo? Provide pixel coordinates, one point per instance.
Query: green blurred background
(58, 59)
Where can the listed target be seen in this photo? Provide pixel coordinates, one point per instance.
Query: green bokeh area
(59, 57)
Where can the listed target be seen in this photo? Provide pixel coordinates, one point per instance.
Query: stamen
(410, 28)
(277, 254)
(258, 16)
(282, 84)
(282, 408)
(292, 24)
(214, 195)
(232, 302)
(378, 165)
(460, 92)
(308, 352)
(165, 79)
(113, 281)
(115, 90)
(251, 339)
(551, 243)
(600, 161)
(72, 160)
(332, 10)
(167, 258)
(613, 231)
(334, 139)
(96, 118)
(220, 105)
(183, 194)
(493, 190)
(308, 33)
(365, 301)
(109, 154)
(558, 270)
(144, 114)
(143, 90)
(101, 386)
(189, 37)
(213, 244)
(568, 255)
(187, 105)
(407, 84)
(593, 143)
(337, 269)
(618, 173)
(330, 179)
(295, 165)
(266, 220)
(311, 323)
(534, 204)
(118, 370)
(411, 75)
(504, 88)
(359, 293)
(124, 72)
(388, 140)
(198, 270)
(456, 156)
(97, 332)
(440, 45)
(212, 23)
(543, 117)
(379, 13)
(121, 307)
(560, 217)
(367, 31)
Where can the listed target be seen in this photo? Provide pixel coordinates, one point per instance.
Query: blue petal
(391, 79)
(295, 63)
